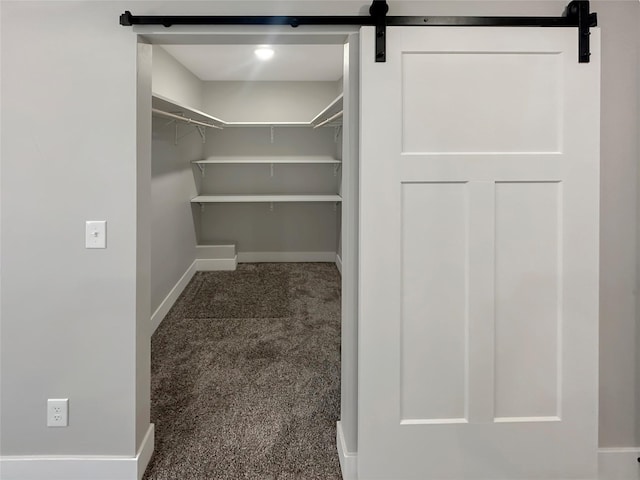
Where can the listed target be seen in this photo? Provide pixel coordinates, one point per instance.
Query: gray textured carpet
(246, 376)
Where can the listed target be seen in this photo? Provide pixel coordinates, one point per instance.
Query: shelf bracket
(271, 206)
(202, 208)
(201, 167)
(200, 130)
(271, 170)
(336, 133)
(202, 133)
(335, 169)
(273, 133)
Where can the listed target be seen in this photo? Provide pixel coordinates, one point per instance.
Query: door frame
(348, 36)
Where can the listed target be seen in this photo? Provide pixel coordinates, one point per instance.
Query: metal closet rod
(329, 120)
(184, 119)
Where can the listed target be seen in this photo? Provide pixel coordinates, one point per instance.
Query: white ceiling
(238, 62)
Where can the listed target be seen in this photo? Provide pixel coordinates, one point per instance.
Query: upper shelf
(266, 198)
(266, 124)
(282, 159)
(329, 116)
(171, 106)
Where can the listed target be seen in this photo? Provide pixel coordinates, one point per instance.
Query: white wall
(174, 81)
(619, 404)
(268, 101)
(173, 234)
(69, 155)
(637, 312)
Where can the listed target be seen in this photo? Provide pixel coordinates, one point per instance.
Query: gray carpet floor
(245, 376)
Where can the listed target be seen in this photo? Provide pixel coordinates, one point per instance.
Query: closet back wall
(259, 228)
(268, 101)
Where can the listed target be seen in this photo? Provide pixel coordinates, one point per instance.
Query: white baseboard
(198, 265)
(339, 263)
(618, 464)
(348, 461)
(216, 251)
(170, 299)
(258, 257)
(146, 450)
(216, 264)
(79, 467)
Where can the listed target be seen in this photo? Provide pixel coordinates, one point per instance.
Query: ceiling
(239, 63)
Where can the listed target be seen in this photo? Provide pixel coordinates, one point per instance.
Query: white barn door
(478, 334)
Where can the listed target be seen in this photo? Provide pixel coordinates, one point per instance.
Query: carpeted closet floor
(245, 376)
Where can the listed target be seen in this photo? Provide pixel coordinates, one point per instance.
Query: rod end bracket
(126, 19)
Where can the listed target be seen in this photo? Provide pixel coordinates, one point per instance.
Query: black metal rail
(577, 14)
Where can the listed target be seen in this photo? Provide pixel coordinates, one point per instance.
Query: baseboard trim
(198, 265)
(216, 264)
(259, 257)
(339, 263)
(146, 450)
(173, 295)
(618, 463)
(79, 467)
(348, 460)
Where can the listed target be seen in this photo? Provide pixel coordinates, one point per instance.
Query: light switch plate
(96, 234)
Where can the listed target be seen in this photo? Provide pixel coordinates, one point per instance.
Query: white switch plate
(96, 234)
(58, 412)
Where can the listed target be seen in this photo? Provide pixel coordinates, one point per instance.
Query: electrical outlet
(58, 412)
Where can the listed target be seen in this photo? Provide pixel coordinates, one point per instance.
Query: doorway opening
(253, 232)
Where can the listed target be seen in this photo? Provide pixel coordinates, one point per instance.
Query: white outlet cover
(96, 234)
(57, 412)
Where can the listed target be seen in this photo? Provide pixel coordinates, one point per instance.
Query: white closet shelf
(265, 198)
(171, 106)
(328, 117)
(266, 124)
(268, 160)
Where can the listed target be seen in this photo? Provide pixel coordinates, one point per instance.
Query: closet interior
(246, 160)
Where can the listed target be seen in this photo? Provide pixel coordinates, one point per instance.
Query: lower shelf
(265, 198)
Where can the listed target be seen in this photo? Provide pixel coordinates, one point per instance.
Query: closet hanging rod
(184, 119)
(329, 120)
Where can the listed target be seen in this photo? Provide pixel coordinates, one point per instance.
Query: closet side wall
(173, 236)
(172, 80)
